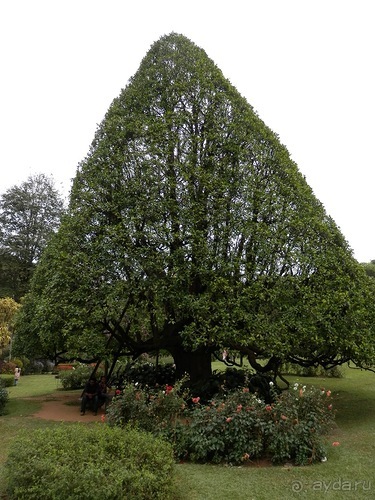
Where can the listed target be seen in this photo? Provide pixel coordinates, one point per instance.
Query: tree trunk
(197, 364)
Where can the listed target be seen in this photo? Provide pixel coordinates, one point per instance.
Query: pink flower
(245, 389)
(335, 443)
(103, 418)
(328, 393)
(196, 400)
(330, 407)
(239, 408)
(229, 419)
(268, 407)
(283, 417)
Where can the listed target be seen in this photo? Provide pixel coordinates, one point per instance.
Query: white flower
(324, 459)
(271, 383)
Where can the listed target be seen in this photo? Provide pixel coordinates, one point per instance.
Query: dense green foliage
(8, 309)
(369, 268)
(191, 230)
(234, 428)
(86, 462)
(4, 396)
(75, 379)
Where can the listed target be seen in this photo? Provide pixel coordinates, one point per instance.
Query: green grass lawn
(348, 472)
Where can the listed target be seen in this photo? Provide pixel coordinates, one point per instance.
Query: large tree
(190, 229)
(29, 213)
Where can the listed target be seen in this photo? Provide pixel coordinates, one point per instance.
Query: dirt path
(65, 407)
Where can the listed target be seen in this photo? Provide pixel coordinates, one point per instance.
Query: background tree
(190, 229)
(29, 213)
(8, 309)
(369, 268)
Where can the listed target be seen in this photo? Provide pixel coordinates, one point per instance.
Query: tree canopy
(191, 230)
(29, 213)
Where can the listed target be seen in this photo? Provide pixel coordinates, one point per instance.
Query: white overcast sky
(306, 66)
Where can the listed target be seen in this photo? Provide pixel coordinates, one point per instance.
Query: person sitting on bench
(104, 396)
(90, 395)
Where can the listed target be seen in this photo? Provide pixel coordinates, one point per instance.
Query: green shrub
(153, 410)
(242, 427)
(3, 399)
(147, 374)
(233, 427)
(18, 362)
(37, 366)
(6, 380)
(311, 371)
(89, 462)
(76, 378)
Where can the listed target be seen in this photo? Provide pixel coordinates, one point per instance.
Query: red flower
(335, 443)
(117, 392)
(268, 407)
(196, 400)
(168, 389)
(103, 418)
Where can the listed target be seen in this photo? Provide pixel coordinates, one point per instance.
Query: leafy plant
(76, 378)
(7, 367)
(87, 462)
(147, 374)
(234, 427)
(4, 396)
(154, 410)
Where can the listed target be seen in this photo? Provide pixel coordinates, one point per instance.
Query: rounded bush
(3, 399)
(76, 378)
(89, 462)
(7, 367)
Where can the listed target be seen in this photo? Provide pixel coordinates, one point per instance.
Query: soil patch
(65, 407)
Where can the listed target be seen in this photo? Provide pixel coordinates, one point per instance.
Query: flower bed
(234, 428)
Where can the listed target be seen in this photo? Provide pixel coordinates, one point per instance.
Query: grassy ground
(347, 474)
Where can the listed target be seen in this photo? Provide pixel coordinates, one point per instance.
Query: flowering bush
(155, 410)
(242, 427)
(7, 367)
(235, 427)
